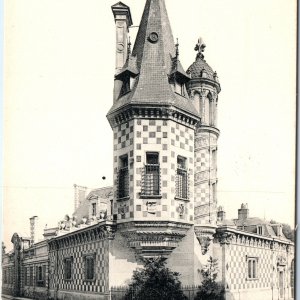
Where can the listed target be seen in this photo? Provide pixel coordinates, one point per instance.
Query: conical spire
(154, 52)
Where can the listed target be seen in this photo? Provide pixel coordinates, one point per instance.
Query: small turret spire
(177, 49)
(200, 46)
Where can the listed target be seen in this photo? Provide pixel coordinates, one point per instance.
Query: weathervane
(200, 46)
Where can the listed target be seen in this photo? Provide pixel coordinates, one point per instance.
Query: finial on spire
(177, 48)
(128, 47)
(200, 46)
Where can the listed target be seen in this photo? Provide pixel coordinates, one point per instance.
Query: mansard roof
(153, 52)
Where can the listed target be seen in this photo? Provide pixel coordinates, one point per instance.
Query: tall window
(25, 276)
(94, 209)
(31, 276)
(123, 186)
(252, 267)
(68, 268)
(40, 275)
(181, 178)
(89, 267)
(214, 158)
(292, 278)
(5, 276)
(214, 191)
(151, 176)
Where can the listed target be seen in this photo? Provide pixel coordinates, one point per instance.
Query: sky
(58, 80)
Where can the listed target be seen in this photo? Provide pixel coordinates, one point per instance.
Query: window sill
(251, 279)
(68, 280)
(150, 196)
(124, 198)
(182, 199)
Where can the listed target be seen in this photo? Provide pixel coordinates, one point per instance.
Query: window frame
(40, 275)
(94, 209)
(154, 191)
(68, 260)
(123, 177)
(86, 257)
(182, 172)
(252, 268)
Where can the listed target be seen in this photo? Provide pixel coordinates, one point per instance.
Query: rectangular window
(252, 267)
(40, 276)
(123, 182)
(31, 276)
(214, 192)
(181, 178)
(259, 229)
(25, 276)
(94, 209)
(151, 175)
(5, 276)
(68, 265)
(214, 158)
(89, 267)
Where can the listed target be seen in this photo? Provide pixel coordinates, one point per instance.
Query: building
(163, 201)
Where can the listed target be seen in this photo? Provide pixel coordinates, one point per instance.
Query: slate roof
(196, 68)
(250, 225)
(154, 63)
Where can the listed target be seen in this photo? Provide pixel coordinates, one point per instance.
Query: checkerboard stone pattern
(78, 283)
(205, 177)
(237, 267)
(170, 139)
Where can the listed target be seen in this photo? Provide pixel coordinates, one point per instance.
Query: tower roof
(201, 70)
(153, 53)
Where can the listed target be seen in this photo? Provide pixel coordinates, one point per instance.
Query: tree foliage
(288, 232)
(210, 289)
(155, 281)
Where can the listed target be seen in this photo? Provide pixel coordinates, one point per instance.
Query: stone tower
(154, 123)
(203, 89)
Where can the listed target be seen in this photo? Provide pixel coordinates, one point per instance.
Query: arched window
(207, 110)
(197, 103)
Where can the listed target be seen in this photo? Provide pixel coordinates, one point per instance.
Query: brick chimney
(243, 212)
(221, 213)
(79, 195)
(33, 226)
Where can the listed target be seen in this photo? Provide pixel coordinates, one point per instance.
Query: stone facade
(163, 201)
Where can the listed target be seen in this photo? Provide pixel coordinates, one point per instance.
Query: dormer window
(259, 230)
(179, 88)
(126, 86)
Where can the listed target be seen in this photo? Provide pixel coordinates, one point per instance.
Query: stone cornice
(229, 235)
(130, 112)
(100, 231)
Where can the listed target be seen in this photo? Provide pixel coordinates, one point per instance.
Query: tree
(210, 289)
(155, 281)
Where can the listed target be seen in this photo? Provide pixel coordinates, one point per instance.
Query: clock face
(120, 47)
(153, 37)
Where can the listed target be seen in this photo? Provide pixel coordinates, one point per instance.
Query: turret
(203, 89)
(153, 121)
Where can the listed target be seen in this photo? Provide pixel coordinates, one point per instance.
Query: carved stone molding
(204, 234)
(153, 239)
(224, 237)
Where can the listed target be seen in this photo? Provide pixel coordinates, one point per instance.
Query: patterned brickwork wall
(123, 145)
(205, 177)
(98, 249)
(272, 257)
(170, 140)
